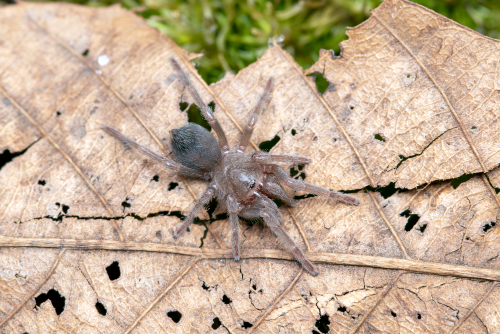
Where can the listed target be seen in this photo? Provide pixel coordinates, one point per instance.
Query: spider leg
(254, 117)
(204, 199)
(207, 113)
(270, 158)
(310, 188)
(272, 188)
(272, 218)
(232, 207)
(166, 162)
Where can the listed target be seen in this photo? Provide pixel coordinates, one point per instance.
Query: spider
(243, 183)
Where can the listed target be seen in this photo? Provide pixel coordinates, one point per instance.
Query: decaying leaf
(86, 226)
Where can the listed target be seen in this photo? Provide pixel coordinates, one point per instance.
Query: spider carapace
(243, 183)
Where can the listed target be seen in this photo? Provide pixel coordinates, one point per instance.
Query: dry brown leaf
(75, 202)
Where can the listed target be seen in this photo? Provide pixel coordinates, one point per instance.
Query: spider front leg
(166, 162)
(254, 117)
(204, 199)
(273, 220)
(300, 185)
(232, 208)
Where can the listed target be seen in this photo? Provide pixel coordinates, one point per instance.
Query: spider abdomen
(195, 147)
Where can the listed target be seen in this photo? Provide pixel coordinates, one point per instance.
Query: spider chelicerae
(243, 183)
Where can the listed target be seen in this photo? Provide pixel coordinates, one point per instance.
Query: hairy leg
(272, 218)
(310, 188)
(270, 158)
(207, 113)
(272, 187)
(204, 199)
(166, 162)
(254, 117)
(232, 208)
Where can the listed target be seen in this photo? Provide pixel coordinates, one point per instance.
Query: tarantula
(244, 183)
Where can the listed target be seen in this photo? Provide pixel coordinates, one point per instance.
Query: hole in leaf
(295, 172)
(246, 324)
(58, 301)
(412, 219)
(204, 286)
(422, 228)
(294, 132)
(195, 115)
(65, 208)
(100, 308)
(156, 178)
(226, 300)
(351, 107)
(320, 81)
(42, 182)
(474, 128)
(172, 186)
(254, 286)
(489, 225)
(211, 206)
(58, 113)
(113, 271)
(304, 196)
(393, 314)
(216, 324)
(85, 53)
(125, 204)
(419, 316)
(461, 179)
(58, 204)
(176, 316)
(342, 309)
(322, 324)
(278, 202)
(266, 146)
(379, 137)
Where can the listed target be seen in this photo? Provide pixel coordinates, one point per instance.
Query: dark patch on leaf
(216, 323)
(100, 308)
(461, 179)
(322, 324)
(267, 145)
(113, 271)
(176, 316)
(226, 300)
(489, 225)
(58, 301)
(412, 219)
(295, 173)
(246, 325)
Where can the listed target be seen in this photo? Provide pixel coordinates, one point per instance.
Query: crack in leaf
(403, 158)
